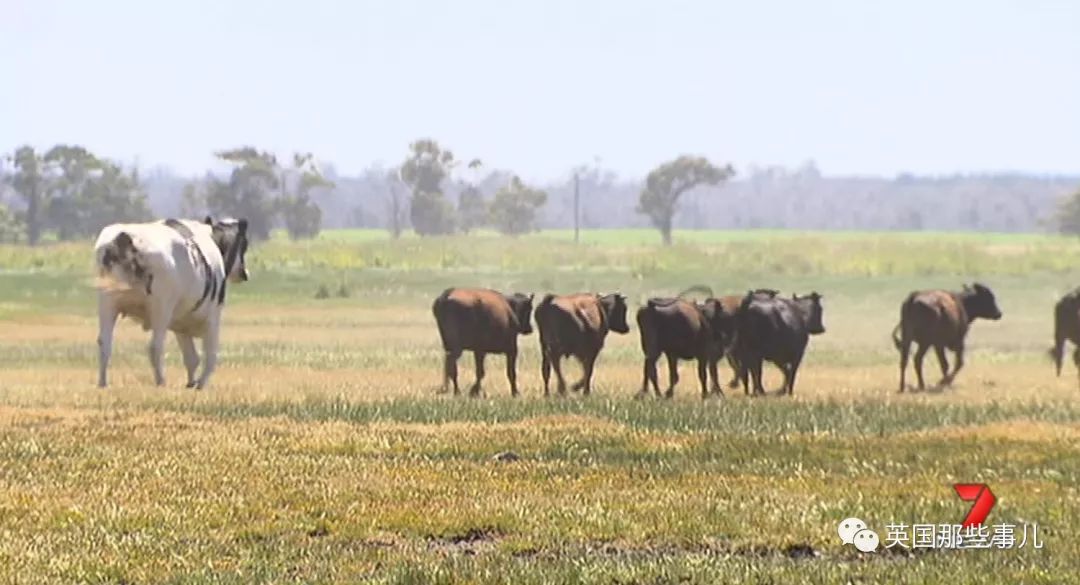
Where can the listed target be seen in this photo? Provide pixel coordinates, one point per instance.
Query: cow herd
(749, 329)
(171, 275)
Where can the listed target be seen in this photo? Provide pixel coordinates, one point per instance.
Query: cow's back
(677, 327)
(174, 272)
(771, 329)
(934, 317)
(571, 324)
(474, 319)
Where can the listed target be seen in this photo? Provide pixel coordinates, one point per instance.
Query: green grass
(323, 453)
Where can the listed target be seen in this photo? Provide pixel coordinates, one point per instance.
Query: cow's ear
(243, 226)
(208, 220)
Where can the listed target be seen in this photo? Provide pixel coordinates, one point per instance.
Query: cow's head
(521, 307)
(614, 307)
(231, 237)
(811, 305)
(979, 302)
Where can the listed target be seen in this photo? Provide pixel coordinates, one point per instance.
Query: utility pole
(577, 205)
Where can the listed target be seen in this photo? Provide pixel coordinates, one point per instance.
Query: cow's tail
(1057, 352)
(438, 309)
(697, 288)
(896, 338)
(121, 267)
(646, 327)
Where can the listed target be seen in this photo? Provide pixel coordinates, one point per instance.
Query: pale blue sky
(860, 87)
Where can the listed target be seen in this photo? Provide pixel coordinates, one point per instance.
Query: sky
(538, 87)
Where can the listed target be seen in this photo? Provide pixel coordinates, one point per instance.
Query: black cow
(730, 304)
(1066, 328)
(776, 330)
(681, 329)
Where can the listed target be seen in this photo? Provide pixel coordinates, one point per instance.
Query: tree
(88, 193)
(667, 182)
(11, 227)
(193, 199)
(423, 171)
(1067, 217)
(472, 208)
(302, 216)
(397, 206)
(513, 211)
(31, 183)
(69, 169)
(111, 196)
(247, 193)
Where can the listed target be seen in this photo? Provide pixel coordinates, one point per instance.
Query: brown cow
(681, 329)
(730, 304)
(940, 319)
(1066, 328)
(482, 321)
(576, 325)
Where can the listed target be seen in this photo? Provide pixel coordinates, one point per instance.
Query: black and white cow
(168, 275)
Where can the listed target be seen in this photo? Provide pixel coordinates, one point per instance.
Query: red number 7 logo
(984, 501)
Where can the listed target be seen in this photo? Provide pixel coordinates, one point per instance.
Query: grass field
(322, 452)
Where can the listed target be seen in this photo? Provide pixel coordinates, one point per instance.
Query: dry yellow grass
(322, 451)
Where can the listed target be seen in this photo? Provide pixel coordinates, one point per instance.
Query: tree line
(67, 192)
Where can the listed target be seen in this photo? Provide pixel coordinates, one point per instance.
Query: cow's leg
(649, 375)
(545, 369)
(714, 372)
(920, 353)
(702, 373)
(191, 357)
(556, 364)
(1076, 359)
(673, 374)
(905, 351)
(588, 364)
(479, 359)
(160, 315)
(450, 360)
(959, 362)
(735, 374)
(793, 371)
(943, 361)
(107, 315)
(744, 376)
(756, 365)
(210, 353)
(511, 373)
(785, 369)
